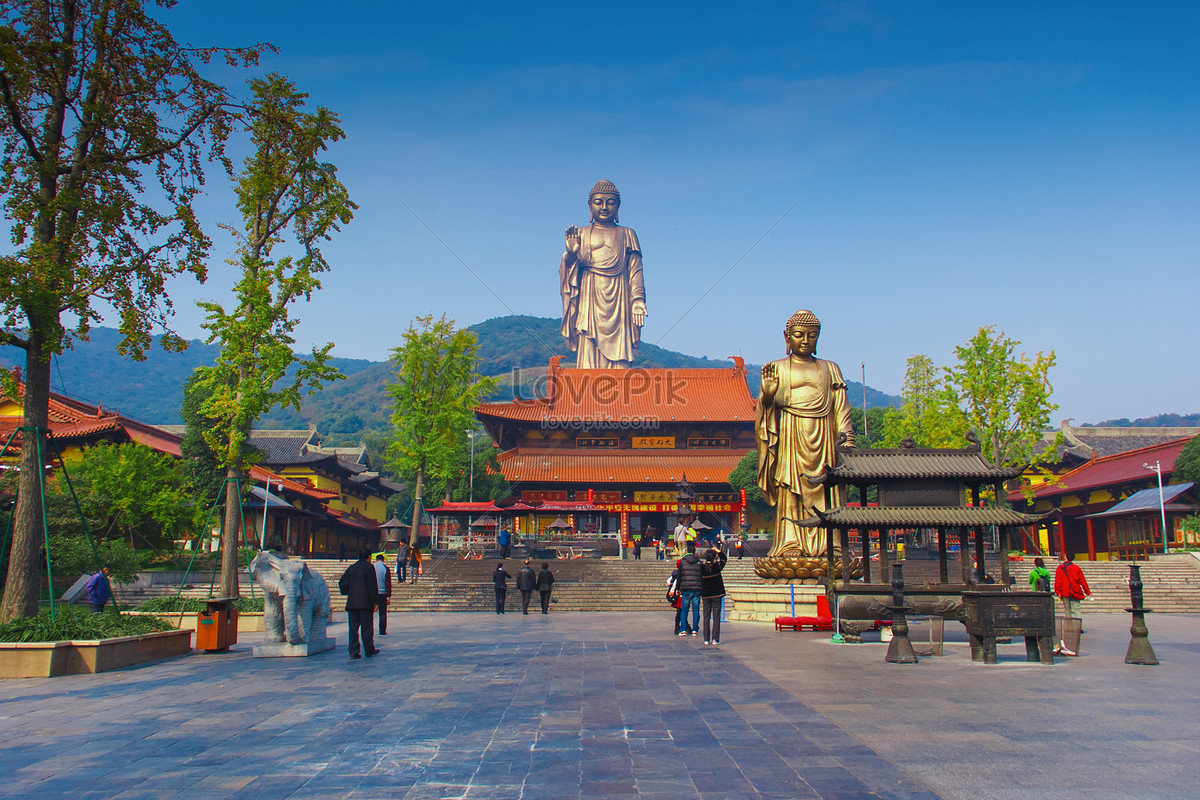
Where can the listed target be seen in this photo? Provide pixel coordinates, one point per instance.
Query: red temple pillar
(1091, 533)
(1062, 539)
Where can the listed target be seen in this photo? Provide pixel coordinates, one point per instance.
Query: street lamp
(1162, 507)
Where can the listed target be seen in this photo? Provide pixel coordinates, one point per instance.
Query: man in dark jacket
(498, 582)
(526, 580)
(689, 589)
(402, 563)
(360, 586)
(545, 580)
(712, 591)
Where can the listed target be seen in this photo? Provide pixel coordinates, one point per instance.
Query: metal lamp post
(1162, 507)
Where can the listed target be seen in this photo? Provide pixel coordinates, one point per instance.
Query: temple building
(1082, 496)
(316, 501)
(604, 451)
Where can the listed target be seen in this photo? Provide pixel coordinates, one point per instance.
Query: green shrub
(195, 605)
(73, 622)
(72, 555)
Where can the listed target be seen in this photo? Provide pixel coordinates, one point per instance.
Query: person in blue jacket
(98, 591)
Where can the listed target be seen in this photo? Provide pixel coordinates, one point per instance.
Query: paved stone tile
(473, 706)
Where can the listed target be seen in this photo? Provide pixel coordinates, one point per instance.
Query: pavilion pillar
(844, 537)
(980, 555)
(964, 559)
(1091, 534)
(865, 533)
(884, 558)
(1005, 539)
(1062, 538)
(943, 571)
(829, 561)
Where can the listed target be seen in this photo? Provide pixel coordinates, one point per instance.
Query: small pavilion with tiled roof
(935, 490)
(620, 441)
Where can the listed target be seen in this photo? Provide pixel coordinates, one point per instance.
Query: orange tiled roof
(622, 466)
(665, 394)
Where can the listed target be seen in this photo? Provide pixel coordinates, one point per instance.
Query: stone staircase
(607, 584)
(1171, 583)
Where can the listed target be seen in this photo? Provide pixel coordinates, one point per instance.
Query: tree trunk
(230, 532)
(416, 518)
(24, 561)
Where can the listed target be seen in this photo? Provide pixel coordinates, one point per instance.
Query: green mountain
(515, 348)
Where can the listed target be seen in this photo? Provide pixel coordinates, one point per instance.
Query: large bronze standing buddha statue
(600, 275)
(801, 411)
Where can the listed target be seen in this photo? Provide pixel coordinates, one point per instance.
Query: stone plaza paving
(611, 705)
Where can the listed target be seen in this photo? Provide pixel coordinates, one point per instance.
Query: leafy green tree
(745, 476)
(97, 101)
(1004, 397)
(203, 471)
(436, 388)
(73, 555)
(135, 490)
(875, 428)
(1187, 463)
(928, 414)
(284, 191)
(489, 482)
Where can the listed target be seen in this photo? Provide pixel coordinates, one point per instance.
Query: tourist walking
(1071, 587)
(637, 549)
(680, 539)
(660, 549)
(739, 546)
(673, 596)
(504, 540)
(498, 583)
(98, 591)
(545, 580)
(414, 561)
(689, 589)
(712, 593)
(383, 576)
(359, 584)
(526, 580)
(402, 563)
(1039, 576)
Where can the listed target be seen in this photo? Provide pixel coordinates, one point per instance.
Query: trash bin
(216, 626)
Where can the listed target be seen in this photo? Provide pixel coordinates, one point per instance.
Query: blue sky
(918, 169)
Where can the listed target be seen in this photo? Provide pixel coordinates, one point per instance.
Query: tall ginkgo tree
(106, 128)
(435, 390)
(289, 200)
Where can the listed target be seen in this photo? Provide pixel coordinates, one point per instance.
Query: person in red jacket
(1071, 587)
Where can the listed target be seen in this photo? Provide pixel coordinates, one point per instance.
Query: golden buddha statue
(801, 411)
(604, 297)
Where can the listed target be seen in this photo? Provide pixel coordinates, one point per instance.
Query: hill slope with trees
(516, 349)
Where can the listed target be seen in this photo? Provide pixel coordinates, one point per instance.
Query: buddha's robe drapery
(598, 292)
(797, 436)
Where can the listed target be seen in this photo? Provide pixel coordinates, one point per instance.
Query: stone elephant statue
(295, 599)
